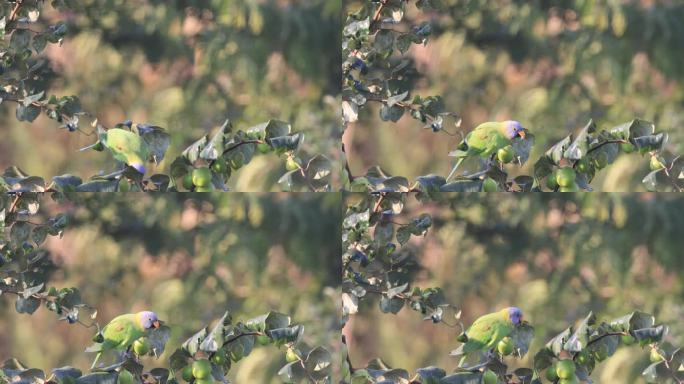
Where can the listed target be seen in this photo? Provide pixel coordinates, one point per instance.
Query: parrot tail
(97, 357)
(458, 162)
(463, 359)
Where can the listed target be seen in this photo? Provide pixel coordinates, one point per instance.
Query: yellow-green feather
(486, 332)
(126, 146)
(120, 334)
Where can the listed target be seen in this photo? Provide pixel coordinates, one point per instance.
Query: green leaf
(580, 146)
(318, 363)
(158, 142)
(158, 338)
(578, 340)
(98, 378)
(27, 305)
(19, 233)
(293, 372)
(98, 186)
(319, 172)
(67, 183)
(214, 148)
(462, 378)
(391, 113)
(27, 113)
(391, 305)
(214, 340)
(463, 185)
(66, 375)
(20, 40)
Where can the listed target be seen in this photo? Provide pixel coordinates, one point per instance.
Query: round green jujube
(291, 355)
(125, 377)
(551, 373)
(505, 346)
(187, 373)
(565, 369)
(201, 369)
(141, 346)
(187, 181)
(489, 185)
(655, 356)
(505, 154)
(570, 380)
(489, 377)
(565, 176)
(201, 177)
(627, 339)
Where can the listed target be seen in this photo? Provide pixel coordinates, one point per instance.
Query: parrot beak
(156, 324)
(522, 133)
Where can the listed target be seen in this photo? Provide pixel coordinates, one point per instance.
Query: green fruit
(565, 369)
(204, 189)
(571, 380)
(583, 166)
(219, 357)
(187, 181)
(571, 188)
(219, 166)
(141, 346)
(601, 160)
(201, 369)
(627, 147)
(124, 185)
(489, 377)
(655, 163)
(565, 176)
(263, 148)
(125, 377)
(583, 357)
(291, 355)
(263, 340)
(52, 291)
(505, 154)
(551, 373)
(655, 356)
(489, 185)
(187, 373)
(208, 380)
(627, 339)
(292, 163)
(551, 181)
(505, 346)
(201, 177)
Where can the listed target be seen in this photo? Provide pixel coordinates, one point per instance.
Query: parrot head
(138, 166)
(515, 315)
(148, 320)
(514, 129)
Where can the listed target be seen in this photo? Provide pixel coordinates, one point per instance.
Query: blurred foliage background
(189, 257)
(187, 66)
(552, 65)
(556, 256)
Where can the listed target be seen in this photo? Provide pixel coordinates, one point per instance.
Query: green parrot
(123, 330)
(486, 139)
(486, 332)
(127, 147)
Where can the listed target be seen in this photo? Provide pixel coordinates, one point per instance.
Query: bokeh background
(187, 66)
(556, 256)
(189, 258)
(552, 65)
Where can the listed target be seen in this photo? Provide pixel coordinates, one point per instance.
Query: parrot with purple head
(486, 139)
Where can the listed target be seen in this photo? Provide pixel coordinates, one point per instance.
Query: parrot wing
(126, 146)
(486, 332)
(121, 332)
(486, 139)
